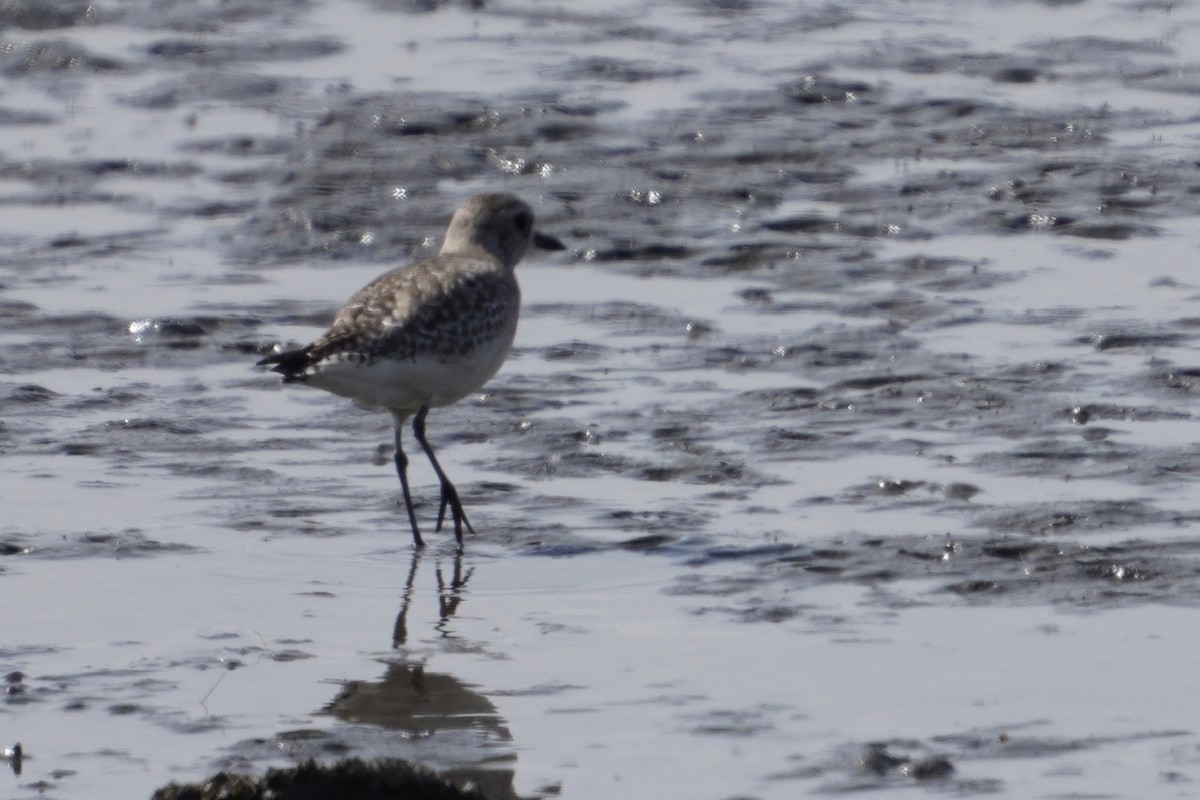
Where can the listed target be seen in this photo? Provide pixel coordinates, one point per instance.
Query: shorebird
(428, 334)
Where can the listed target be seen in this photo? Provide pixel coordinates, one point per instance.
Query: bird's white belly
(406, 386)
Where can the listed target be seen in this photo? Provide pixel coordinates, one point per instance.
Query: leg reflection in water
(450, 595)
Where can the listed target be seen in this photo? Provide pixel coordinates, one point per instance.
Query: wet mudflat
(851, 447)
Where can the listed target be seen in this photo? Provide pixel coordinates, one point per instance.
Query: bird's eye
(524, 222)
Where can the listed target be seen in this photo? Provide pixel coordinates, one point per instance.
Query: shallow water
(849, 448)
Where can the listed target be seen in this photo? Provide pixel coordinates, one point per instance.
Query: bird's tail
(292, 364)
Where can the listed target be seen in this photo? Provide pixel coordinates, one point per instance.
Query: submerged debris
(349, 779)
(15, 756)
(877, 760)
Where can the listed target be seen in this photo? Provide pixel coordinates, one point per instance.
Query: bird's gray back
(441, 307)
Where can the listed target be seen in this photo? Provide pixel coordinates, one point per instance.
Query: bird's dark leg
(449, 493)
(402, 471)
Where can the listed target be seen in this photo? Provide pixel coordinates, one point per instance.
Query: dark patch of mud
(995, 570)
(352, 779)
(697, 181)
(129, 543)
(953, 763)
(53, 57)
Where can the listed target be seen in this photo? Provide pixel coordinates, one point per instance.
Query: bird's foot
(450, 500)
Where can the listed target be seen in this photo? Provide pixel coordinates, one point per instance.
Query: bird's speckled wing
(440, 308)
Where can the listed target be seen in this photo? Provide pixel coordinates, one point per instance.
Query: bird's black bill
(545, 241)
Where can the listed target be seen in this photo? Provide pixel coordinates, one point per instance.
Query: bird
(427, 334)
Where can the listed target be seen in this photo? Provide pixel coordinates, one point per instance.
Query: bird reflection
(444, 722)
(450, 595)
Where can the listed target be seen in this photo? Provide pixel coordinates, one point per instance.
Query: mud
(875, 336)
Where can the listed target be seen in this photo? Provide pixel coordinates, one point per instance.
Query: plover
(428, 334)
